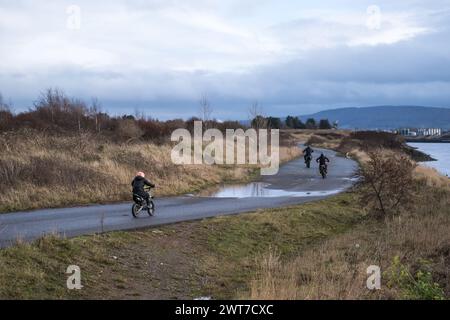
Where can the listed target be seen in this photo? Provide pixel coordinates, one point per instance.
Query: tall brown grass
(43, 170)
(337, 268)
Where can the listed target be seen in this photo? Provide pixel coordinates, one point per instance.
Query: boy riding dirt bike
(141, 196)
(323, 169)
(308, 156)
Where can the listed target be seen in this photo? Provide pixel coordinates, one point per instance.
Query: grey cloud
(414, 71)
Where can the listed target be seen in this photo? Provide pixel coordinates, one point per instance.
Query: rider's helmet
(140, 174)
(322, 155)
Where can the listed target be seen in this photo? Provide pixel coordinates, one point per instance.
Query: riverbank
(438, 151)
(412, 252)
(412, 249)
(428, 140)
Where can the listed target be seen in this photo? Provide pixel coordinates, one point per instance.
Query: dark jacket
(307, 151)
(139, 183)
(322, 160)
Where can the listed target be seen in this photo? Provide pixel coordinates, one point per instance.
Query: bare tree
(94, 112)
(53, 101)
(205, 110)
(78, 108)
(257, 118)
(388, 182)
(139, 114)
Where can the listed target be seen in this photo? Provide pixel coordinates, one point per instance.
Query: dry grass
(212, 257)
(329, 139)
(419, 238)
(432, 177)
(337, 269)
(39, 170)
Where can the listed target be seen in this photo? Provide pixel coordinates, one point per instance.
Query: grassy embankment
(412, 249)
(315, 250)
(213, 257)
(39, 170)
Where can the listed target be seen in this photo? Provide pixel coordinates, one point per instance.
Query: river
(439, 151)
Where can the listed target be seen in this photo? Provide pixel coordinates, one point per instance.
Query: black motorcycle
(140, 204)
(323, 170)
(308, 161)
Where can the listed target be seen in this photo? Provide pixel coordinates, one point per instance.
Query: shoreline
(427, 141)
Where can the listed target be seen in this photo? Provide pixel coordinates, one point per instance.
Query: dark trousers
(145, 196)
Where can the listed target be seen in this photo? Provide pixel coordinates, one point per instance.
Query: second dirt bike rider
(322, 160)
(139, 183)
(308, 155)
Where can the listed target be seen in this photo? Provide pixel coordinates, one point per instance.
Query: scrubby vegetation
(412, 251)
(387, 184)
(410, 242)
(66, 152)
(291, 122)
(38, 169)
(56, 113)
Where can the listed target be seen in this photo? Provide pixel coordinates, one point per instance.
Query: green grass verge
(213, 257)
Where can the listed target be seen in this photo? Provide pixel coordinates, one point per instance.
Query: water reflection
(260, 189)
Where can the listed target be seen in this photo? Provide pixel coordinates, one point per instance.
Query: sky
(160, 57)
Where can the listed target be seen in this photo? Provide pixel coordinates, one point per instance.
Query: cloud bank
(161, 56)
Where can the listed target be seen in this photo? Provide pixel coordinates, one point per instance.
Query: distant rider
(308, 152)
(139, 183)
(322, 160)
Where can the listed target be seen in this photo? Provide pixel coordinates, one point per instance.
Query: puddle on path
(260, 189)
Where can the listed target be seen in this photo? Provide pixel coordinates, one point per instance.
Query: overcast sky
(161, 56)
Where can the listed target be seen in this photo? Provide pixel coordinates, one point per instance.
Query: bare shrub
(388, 182)
(9, 170)
(128, 130)
(54, 172)
(336, 269)
(316, 140)
(257, 118)
(6, 115)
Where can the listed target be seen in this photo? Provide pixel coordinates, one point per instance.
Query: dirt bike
(140, 204)
(323, 170)
(308, 161)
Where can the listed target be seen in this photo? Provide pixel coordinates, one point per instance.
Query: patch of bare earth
(156, 264)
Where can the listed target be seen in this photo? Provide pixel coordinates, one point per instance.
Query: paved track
(293, 184)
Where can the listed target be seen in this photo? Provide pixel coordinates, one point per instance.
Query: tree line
(291, 122)
(55, 112)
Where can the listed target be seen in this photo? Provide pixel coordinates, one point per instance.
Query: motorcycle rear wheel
(151, 209)
(135, 210)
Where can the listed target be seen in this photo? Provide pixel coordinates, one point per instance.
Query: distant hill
(386, 117)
